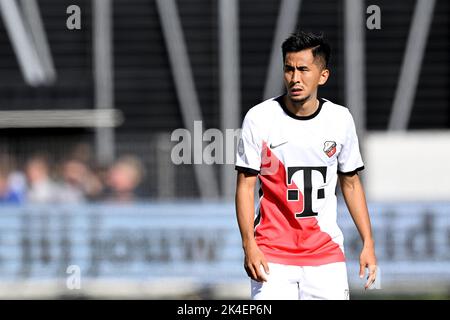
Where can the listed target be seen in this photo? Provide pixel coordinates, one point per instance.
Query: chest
(315, 143)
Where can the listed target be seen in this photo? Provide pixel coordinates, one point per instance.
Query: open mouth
(296, 91)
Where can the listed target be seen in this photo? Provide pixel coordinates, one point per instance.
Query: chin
(298, 99)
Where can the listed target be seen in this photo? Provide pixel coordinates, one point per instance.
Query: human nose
(295, 76)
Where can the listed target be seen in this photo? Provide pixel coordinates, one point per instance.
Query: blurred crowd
(74, 179)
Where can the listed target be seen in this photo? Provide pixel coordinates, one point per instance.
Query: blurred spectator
(124, 177)
(79, 182)
(6, 194)
(82, 152)
(18, 183)
(41, 188)
(10, 190)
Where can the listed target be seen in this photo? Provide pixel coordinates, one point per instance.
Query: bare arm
(245, 209)
(355, 199)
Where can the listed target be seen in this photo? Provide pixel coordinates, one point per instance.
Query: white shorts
(286, 282)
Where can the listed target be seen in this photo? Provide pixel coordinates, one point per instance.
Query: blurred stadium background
(91, 204)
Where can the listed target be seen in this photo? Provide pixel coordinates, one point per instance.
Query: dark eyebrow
(298, 68)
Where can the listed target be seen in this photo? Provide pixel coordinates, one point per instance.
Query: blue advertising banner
(200, 242)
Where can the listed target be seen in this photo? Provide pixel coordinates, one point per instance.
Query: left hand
(367, 259)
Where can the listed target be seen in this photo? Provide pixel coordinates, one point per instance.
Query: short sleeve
(248, 155)
(349, 159)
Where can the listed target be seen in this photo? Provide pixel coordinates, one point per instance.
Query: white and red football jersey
(298, 160)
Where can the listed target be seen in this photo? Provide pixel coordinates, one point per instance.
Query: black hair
(301, 40)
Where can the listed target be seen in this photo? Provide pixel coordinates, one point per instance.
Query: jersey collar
(280, 101)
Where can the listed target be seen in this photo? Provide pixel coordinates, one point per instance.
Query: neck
(302, 108)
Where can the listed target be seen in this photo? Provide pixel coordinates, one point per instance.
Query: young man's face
(302, 75)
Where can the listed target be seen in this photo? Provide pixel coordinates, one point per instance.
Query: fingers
(250, 272)
(362, 270)
(266, 266)
(257, 271)
(372, 276)
(260, 270)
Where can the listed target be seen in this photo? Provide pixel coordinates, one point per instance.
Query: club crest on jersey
(329, 148)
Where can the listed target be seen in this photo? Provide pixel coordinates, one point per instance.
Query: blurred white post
(412, 62)
(230, 110)
(354, 55)
(184, 84)
(33, 17)
(165, 168)
(67, 118)
(103, 75)
(23, 46)
(287, 19)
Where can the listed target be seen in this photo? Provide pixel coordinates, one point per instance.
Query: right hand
(254, 259)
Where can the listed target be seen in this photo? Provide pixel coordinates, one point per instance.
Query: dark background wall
(143, 81)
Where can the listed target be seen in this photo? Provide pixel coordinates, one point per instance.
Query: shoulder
(264, 109)
(335, 108)
(263, 112)
(336, 111)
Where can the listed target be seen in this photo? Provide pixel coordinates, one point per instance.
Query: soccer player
(299, 145)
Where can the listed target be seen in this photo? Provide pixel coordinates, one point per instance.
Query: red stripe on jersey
(281, 236)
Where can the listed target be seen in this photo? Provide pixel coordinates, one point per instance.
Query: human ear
(324, 74)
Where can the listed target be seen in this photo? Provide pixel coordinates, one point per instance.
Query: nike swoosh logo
(273, 146)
